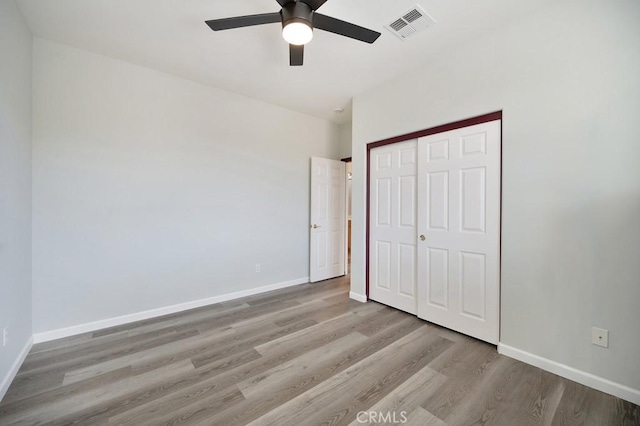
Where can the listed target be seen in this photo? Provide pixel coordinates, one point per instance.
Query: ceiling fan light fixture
(299, 20)
(297, 33)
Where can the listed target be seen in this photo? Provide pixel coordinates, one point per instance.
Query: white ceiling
(171, 36)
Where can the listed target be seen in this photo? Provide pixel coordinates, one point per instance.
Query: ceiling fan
(298, 18)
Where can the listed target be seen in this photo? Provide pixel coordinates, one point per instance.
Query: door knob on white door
(422, 238)
(314, 226)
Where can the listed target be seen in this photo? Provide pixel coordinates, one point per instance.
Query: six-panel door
(459, 215)
(435, 228)
(328, 219)
(393, 223)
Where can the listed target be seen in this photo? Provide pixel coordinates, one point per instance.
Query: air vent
(412, 16)
(398, 25)
(411, 22)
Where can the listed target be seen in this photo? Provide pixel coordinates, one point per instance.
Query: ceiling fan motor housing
(297, 12)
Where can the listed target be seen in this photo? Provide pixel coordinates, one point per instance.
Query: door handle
(314, 226)
(422, 238)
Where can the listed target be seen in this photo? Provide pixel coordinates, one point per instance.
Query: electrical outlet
(257, 267)
(600, 337)
(5, 336)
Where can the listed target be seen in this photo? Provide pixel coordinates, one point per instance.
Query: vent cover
(411, 22)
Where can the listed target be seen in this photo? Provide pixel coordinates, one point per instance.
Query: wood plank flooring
(305, 355)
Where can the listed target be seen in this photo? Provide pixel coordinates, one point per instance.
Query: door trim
(347, 196)
(419, 134)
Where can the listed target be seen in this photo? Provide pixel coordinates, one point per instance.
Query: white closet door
(328, 219)
(459, 230)
(392, 232)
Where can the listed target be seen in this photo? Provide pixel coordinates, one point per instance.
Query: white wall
(567, 81)
(15, 186)
(151, 191)
(345, 139)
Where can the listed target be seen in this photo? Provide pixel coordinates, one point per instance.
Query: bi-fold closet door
(434, 228)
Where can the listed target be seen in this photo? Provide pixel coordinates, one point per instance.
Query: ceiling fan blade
(314, 4)
(283, 2)
(244, 21)
(333, 25)
(296, 55)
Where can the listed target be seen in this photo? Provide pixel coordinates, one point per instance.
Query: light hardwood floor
(305, 355)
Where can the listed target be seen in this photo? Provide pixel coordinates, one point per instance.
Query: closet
(434, 226)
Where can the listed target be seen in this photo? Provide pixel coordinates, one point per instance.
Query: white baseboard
(582, 377)
(153, 313)
(11, 374)
(359, 297)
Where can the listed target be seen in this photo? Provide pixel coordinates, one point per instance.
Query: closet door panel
(393, 221)
(459, 220)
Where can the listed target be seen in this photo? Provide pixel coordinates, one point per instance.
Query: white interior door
(392, 220)
(328, 219)
(459, 230)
